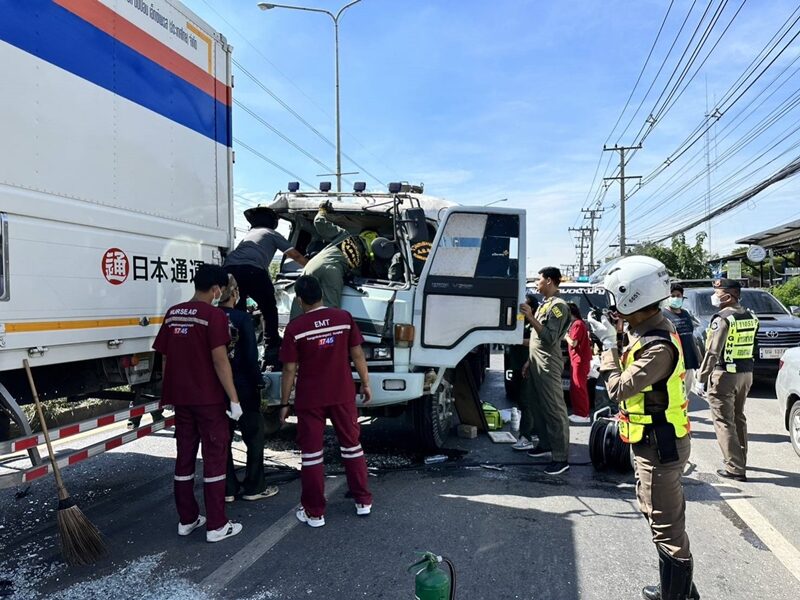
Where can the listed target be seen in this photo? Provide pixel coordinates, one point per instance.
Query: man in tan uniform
(545, 396)
(727, 371)
(647, 381)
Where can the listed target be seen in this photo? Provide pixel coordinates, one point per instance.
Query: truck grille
(784, 339)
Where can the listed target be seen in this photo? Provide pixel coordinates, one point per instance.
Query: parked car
(778, 329)
(787, 388)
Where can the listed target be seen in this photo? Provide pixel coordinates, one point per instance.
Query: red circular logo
(115, 266)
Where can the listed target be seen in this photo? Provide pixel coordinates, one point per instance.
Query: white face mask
(216, 299)
(716, 301)
(675, 302)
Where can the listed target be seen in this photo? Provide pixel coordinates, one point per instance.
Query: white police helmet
(637, 282)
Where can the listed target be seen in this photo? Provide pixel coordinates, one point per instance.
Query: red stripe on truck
(118, 27)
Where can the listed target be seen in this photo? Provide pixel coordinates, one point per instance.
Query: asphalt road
(512, 533)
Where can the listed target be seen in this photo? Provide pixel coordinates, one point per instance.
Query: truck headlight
(381, 353)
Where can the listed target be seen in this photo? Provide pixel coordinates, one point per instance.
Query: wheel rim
(444, 403)
(796, 430)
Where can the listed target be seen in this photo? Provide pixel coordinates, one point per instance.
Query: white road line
(782, 548)
(247, 556)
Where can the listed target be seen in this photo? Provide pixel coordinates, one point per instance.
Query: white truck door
(471, 287)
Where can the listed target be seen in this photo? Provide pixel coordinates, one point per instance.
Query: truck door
(471, 287)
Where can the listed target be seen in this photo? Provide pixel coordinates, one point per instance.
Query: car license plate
(771, 352)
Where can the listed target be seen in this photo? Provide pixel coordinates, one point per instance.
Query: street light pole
(335, 18)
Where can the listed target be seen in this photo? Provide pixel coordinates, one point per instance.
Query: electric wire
(294, 113)
(292, 83)
(272, 162)
(281, 135)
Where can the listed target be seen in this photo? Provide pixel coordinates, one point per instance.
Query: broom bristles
(81, 542)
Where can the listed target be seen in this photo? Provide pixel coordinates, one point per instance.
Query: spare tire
(596, 440)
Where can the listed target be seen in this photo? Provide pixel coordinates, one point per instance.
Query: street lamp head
(265, 5)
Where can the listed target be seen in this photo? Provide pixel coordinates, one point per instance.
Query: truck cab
(457, 281)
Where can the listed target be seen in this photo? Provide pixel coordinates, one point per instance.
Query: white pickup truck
(461, 280)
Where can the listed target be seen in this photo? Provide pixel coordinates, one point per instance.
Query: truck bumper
(387, 388)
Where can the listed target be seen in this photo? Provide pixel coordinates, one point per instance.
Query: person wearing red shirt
(196, 376)
(580, 357)
(317, 348)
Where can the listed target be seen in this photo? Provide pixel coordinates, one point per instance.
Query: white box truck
(115, 184)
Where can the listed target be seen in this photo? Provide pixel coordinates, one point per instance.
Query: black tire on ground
(272, 421)
(794, 426)
(596, 439)
(432, 420)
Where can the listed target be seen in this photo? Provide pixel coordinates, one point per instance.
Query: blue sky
(514, 98)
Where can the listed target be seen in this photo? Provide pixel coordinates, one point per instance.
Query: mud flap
(468, 398)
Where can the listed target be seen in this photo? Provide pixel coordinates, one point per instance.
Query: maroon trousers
(310, 431)
(209, 425)
(579, 388)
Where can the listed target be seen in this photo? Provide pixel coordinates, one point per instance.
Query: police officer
(549, 325)
(647, 381)
(727, 371)
(343, 256)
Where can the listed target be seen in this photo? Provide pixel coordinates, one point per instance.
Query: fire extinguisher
(431, 582)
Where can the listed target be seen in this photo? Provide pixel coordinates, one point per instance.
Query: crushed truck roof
(378, 203)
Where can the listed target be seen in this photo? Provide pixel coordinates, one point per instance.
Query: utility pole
(621, 177)
(593, 214)
(580, 247)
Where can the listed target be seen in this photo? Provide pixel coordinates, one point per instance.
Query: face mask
(675, 302)
(716, 301)
(216, 299)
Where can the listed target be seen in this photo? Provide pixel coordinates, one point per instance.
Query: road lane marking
(247, 556)
(782, 548)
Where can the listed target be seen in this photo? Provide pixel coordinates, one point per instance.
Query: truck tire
(794, 426)
(272, 420)
(432, 416)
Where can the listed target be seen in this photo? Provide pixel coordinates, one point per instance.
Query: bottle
(516, 417)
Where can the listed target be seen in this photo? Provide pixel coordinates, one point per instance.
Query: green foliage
(789, 292)
(274, 267)
(682, 260)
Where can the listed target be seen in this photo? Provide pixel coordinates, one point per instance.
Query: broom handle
(62, 491)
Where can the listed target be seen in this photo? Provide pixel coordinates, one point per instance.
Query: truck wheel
(432, 417)
(272, 420)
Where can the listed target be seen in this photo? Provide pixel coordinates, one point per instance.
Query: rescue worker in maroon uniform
(193, 342)
(317, 348)
(646, 379)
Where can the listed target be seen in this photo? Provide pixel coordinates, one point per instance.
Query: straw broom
(81, 542)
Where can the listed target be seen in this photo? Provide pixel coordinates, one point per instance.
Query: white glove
(604, 330)
(699, 389)
(235, 412)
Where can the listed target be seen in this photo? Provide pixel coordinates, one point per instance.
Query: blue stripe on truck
(63, 39)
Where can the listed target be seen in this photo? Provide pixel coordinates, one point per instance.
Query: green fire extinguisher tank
(431, 582)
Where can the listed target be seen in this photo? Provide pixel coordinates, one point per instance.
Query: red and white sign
(115, 266)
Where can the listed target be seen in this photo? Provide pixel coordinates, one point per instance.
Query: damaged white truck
(460, 280)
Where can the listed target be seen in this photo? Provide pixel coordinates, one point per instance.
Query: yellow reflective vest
(633, 416)
(737, 356)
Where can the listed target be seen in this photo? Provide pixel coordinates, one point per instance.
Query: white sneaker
(230, 499)
(268, 492)
(187, 529)
(303, 517)
(362, 510)
(576, 420)
(230, 529)
(522, 444)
